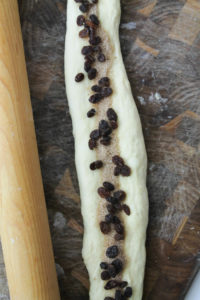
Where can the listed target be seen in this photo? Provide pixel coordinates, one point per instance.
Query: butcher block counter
(160, 41)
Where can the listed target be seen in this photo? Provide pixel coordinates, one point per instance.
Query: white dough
(131, 148)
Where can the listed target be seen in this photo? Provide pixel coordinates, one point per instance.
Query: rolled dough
(130, 146)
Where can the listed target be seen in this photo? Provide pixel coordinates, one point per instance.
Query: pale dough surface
(131, 148)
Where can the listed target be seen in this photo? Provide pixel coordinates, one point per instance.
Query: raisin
(122, 284)
(101, 57)
(108, 185)
(87, 66)
(94, 19)
(84, 33)
(117, 263)
(79, 77)
(96, 165)
(94, 1)
(112, 251)
(89, 58)
(110, 209)
(103, 193)
(95, 98)
(92, 73)
(92, 144)
(95, 40)
(104, 81)
(118, 206)
(84, 7)
(96, 88)
(109, 298)
(117, 171)
(107, 91)
(106, 141)
(128, 292)
(87, 50)
(111, 114)
(105, 227)
(104, 128)
(95, 134)
(97, 49)
(104, 265)
(126, 209)
(119, 228)
(118, 295)
(116, 220)
(109, 218)
(117, 160)
(105, 275)
(125, 171)
(80, 20)
(112, 271)
(119, 237)
(113, 125)
(91, 113)
(111, 284)
(111, 199)
(119, 195)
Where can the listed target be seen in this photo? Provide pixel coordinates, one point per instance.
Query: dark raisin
(95, 98)
(91, 113)
(84, 7)
(92, 144)
(111, 284)
(117, 160)
(94, 1)
(105, 227)
(104, 265)
(112, 251)
(128, 292)
(111, 209)
(119, 237)
(112, 271)
(89, 58)
(96, 88)
(94, 19)
(84, 33)
(101, 57)
(111, 114)
(113, 124)
(118, 206)
(95, 134)
(118, 295)
(119, 195)
(93, 166)
(104, 81)
(107, 91)
(80, 20)
(104, 128)
(117, 171)
(117, 263)
(122, 284)
(95, 40)
(109, 298)
(108, 185)
(79, 77)
(87, 50)
(116, 220)
(106, 141)
(125, 171)
(87, 66)
(111, 199)
(98, 164)
(92, 73)
(103, 193)
(109, 218)
(105, 275)
(119, 228)
(126, 209)
(97, 49)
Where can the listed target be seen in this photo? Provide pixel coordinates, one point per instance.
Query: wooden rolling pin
(24, 226)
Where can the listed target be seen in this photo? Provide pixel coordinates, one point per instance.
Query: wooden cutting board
(160, 42)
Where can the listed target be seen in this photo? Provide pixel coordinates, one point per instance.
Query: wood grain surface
(160, 42)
